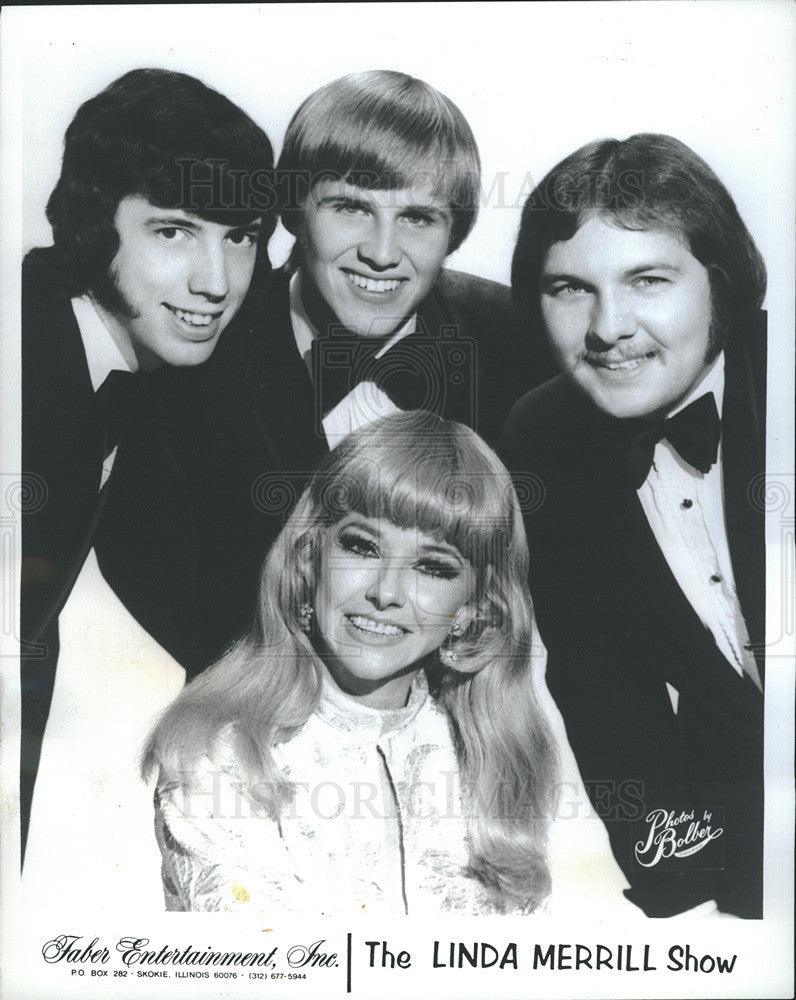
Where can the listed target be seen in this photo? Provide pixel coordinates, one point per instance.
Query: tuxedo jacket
(62, 442)
(199, 501)
(618, 630)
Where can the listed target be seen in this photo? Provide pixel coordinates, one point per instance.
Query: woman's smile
(387, 597)
(371, 627)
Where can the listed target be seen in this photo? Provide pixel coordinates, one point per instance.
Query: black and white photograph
(397, 500)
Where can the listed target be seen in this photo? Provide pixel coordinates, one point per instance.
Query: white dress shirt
(685, 510)
(90, 843)
(102, 354)
(366, 402)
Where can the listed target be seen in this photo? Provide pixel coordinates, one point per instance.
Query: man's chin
(367, 326)
(622, 404)
(197, 354)
(627, 409)
(375, 331)
(185, 355)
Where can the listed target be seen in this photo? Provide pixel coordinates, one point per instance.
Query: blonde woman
(376, 741)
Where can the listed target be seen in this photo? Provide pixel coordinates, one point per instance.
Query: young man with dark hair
(156, 240)
(647, 546)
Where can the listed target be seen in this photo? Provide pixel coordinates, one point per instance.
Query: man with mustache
(145, 273)
(647, 547)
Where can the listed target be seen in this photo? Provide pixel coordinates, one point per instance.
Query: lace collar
(346, 714)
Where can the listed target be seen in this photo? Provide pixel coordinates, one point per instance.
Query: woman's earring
(305, 618)
(448, 657)
(446, 654)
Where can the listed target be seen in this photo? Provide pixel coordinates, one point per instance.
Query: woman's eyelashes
(438, 568)
(358, 545)
(354, 543)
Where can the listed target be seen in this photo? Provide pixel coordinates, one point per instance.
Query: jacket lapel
(278, 387)
(61, 442)
(743, 457)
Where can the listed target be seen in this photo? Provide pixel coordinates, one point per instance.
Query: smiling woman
(387, 598)
(377, 740)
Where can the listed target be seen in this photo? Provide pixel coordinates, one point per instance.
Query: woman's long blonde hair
(416, 471)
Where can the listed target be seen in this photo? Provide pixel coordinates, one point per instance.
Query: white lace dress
(376, 823)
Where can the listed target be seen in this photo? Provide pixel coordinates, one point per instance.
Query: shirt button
(687, 503)
(715, 578)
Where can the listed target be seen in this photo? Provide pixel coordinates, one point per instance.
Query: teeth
(623, 366)
(367, 625)
(194, 319)
(371, 285)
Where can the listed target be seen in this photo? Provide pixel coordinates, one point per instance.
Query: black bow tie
(119, 402)
(413, 373)
(694, 433)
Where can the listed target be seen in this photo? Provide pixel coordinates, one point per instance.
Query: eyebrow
(343, 199)
(186, 222)
(550, 277)
(656, 266)
(434, 211)
(354, 523)
(653, 266)
(172, 220)
(247, 227)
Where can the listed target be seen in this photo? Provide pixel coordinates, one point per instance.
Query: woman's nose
(388, 587)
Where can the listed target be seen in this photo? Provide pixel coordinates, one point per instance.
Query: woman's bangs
(463, 507)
